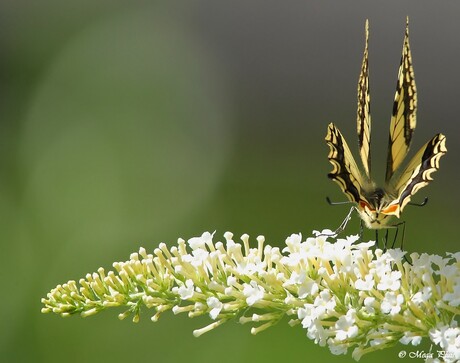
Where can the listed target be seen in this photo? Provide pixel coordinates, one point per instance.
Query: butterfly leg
(342, 226)
(403, 224)
(396, 236)
(385, 240)
(402, 241)
(403, 234)
(361, 230)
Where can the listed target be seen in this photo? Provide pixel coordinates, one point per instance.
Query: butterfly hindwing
(418, 172)
(363, 114)
(345, 171)
(403, 119)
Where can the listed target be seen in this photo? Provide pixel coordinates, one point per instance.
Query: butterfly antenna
(420, 204)
(330, 202)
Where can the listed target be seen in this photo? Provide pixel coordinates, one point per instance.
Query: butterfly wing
(418, 172)
(345, 171)
(403, 119)
(364, 116)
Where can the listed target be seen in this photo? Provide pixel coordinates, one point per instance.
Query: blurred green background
(126, 124)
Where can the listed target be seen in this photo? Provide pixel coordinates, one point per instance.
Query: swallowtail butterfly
(378, 206)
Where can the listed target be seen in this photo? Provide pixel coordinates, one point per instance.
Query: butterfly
(379, 206)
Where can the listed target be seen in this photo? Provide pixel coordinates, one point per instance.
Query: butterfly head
(377, 209)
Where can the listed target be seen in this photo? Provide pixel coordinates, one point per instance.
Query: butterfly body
(379, 206)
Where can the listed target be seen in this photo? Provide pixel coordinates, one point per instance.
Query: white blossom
(325, 303)
(346, 327)
(253, 292)
(392, 302)
(306, 286)
(365, 284)
(453, 298)
(199, 242)
(422, 296)
(186, 291)
(197, 258)
(391, 280)
(410, 338)
(318, 333)
(369, 304)
(344, 293)
(448, 338)
(216, 306)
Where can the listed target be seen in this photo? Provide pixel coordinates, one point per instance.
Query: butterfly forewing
(363, 115)
(403, 119)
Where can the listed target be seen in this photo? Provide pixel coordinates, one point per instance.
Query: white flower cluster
(345, 294)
